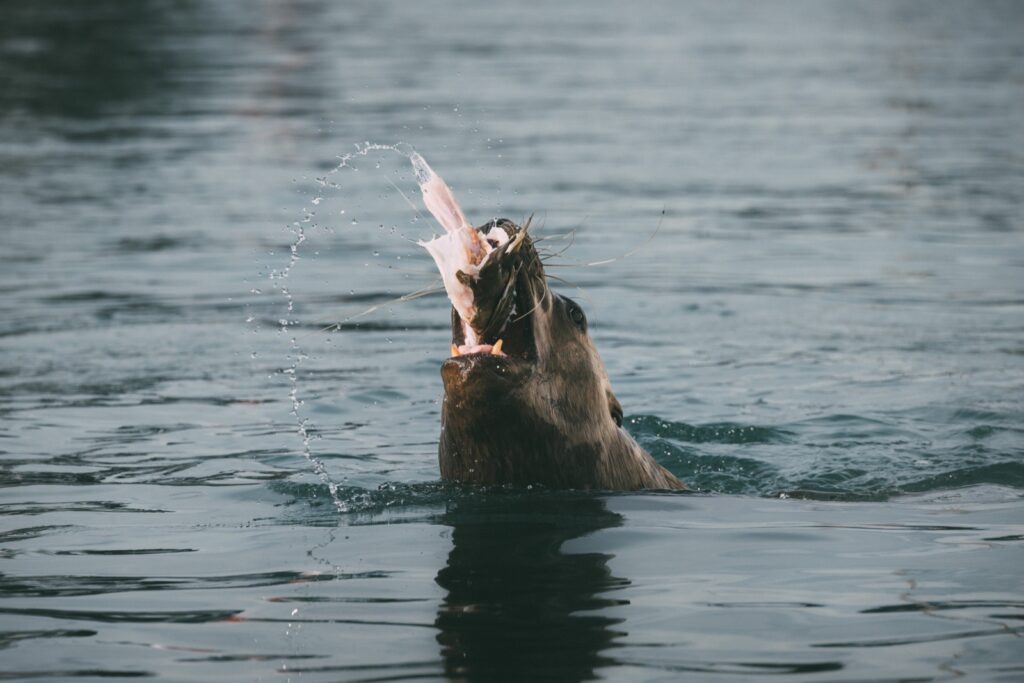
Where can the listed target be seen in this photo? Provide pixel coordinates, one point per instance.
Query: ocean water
(798, 233)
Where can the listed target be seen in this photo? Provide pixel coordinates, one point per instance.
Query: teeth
(493, 349)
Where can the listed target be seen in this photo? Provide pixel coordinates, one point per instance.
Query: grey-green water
(823, 336)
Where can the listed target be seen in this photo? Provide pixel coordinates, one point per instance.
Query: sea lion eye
(615, 408)
(576, 315)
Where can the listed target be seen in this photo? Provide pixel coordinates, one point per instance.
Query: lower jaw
(479, 373)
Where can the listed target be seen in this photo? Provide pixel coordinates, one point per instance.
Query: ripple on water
(837, 457)
(830, 309)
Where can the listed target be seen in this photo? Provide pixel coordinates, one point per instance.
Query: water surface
(814, 316)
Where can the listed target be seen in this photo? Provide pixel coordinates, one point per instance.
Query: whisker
(634, 249)
(555, 236)
(528, 221)
(577, 287)
(580, 264)
(422, 272)
(572, 241)
(518, 318)
(407, 200)
(412, 296)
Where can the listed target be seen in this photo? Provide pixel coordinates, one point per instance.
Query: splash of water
(279, 280)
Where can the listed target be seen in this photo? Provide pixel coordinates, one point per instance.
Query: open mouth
(500, 321)
(492, 275)
(513, 341)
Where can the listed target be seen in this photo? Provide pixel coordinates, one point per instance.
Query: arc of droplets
(279, 279)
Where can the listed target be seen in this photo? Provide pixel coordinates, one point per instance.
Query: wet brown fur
(545, 415)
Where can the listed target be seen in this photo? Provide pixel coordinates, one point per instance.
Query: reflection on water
(519, 606)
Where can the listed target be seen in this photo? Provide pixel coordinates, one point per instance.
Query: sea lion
(527, 399)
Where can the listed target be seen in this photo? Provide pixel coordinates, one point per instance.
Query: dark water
(825, 336)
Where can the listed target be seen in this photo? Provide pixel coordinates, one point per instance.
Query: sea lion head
(541, 339)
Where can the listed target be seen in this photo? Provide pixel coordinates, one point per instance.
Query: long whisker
(559, 279)
(407, 200)
(419, 272)
(554, 236)
(577, 287)
(412, 296)
(572, 240)
(571, 235)
(565, 265)
(527, 222)
(634, 249)
(520, 317)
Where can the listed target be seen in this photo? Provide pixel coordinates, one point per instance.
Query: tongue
(479, 348)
